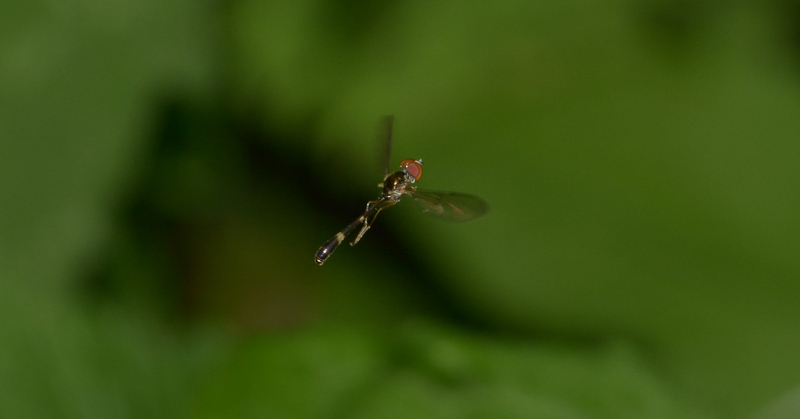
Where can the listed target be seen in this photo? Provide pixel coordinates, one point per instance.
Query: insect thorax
(395, 185)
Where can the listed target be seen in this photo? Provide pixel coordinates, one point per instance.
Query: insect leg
(373, 208)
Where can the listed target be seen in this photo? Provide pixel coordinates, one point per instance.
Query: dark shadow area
(355, 20)
(791, 17)
(675, 28)
(167, 213)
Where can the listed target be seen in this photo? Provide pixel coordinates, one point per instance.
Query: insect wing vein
(450, 205)
(385, 143)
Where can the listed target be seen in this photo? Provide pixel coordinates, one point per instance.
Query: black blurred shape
(164, 235)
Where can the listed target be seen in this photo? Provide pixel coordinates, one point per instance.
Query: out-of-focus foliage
(169, 168)
(426, 371)
(78, 80)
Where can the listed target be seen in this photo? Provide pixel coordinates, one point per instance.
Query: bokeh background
(169, 168)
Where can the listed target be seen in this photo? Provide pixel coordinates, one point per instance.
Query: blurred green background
(169, 169)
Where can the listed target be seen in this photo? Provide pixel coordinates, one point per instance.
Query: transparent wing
(450, 205)
(385, 143)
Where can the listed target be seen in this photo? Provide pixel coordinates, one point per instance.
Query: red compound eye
(413, 168)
